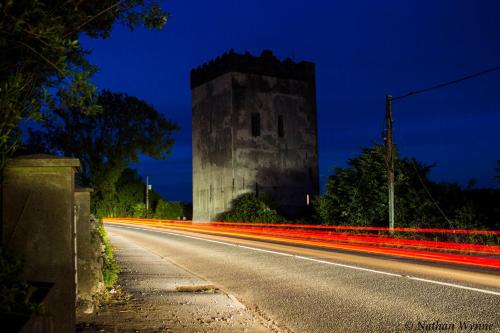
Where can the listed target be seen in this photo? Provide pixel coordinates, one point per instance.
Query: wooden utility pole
(390, 159)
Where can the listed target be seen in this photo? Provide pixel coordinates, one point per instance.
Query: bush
(139, 210)
(250, 208)
(169, 210)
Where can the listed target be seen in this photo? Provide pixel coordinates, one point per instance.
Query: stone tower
(254, 130)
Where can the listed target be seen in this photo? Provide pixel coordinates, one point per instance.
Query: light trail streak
(322, 227)
(374, 244)
(370, 239)
(453, 285)
(325, 235)
(354, 228)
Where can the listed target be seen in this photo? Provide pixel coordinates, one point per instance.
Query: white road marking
(348, 266)
(485, 291)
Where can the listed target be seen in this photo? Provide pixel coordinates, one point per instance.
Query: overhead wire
(445, 84)
(431, 88)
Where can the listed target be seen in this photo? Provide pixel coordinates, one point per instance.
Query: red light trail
(330, 237)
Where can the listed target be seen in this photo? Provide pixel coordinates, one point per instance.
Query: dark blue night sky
(363, 50)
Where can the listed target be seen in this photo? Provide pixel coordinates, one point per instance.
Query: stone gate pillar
(38, 223)
(89, 275)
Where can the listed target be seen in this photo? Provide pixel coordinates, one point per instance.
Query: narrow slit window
(210, 122)
(281, 129)
(255, 124)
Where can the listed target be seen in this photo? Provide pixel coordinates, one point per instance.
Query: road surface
(314, 290)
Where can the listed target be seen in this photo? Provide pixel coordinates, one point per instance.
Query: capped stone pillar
(89, 275)
(38, 223)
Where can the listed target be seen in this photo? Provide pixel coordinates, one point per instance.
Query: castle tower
(254, 130)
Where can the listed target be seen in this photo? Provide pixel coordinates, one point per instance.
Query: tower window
(281, 130)
(255, 124)
(210, 122)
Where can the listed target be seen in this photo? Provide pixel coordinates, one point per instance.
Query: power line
(414, 164)
(442, 85)
(389, 143)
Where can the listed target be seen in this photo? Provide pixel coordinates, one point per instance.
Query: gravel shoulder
(155, 295)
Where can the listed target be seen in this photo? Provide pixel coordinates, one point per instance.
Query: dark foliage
(357, 195)
(107, 141)
(251, 208)
(15, 294)
(41, 55)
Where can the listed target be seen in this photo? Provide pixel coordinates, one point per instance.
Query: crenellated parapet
(266, 64)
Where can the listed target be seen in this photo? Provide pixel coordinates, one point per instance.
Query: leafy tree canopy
(41, 54)
(107, 141)
(129, 199)
(357, 195)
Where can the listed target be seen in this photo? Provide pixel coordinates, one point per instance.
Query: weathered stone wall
(38, 223)
(228, 160)
(89, 248)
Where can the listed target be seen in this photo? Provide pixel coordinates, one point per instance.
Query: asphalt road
(314, 290)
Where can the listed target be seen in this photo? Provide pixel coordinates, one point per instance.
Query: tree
(106, 142)
(41, 54)
(129, 199)
(357, 195)
(250, 208)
